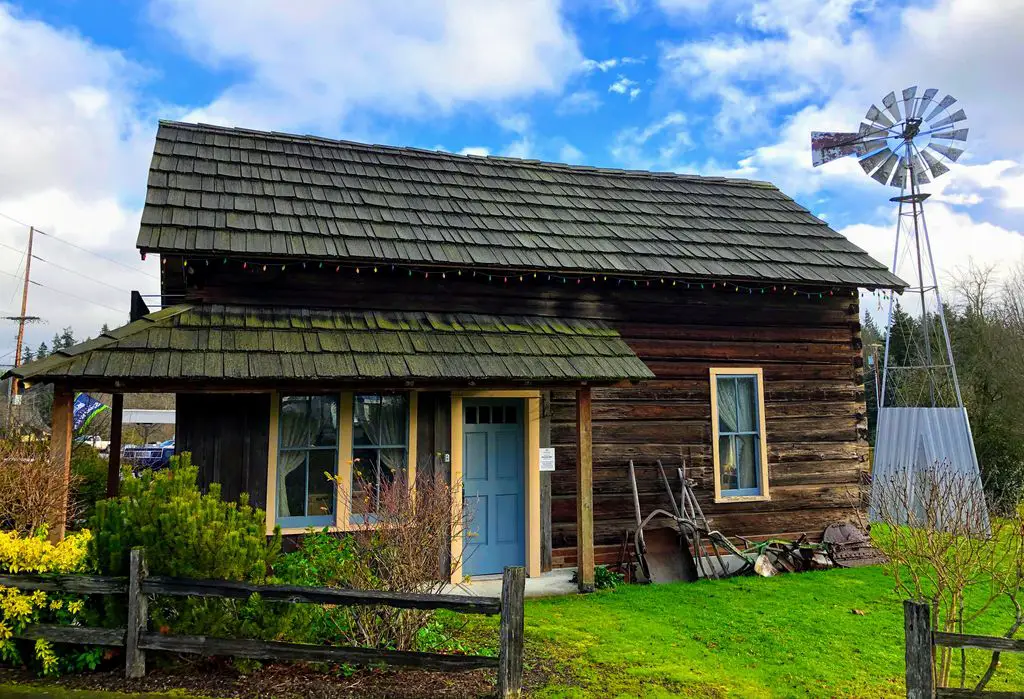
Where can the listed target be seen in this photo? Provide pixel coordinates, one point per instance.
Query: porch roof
(236, 344)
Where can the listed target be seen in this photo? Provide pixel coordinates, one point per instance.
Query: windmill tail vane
(911, 139)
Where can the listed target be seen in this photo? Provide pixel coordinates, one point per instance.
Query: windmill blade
(892, 106)
(934, 164)
(952, 153)
(827, 146)
(899, 178)
(882, 174)
(876, 116)
(947, 102)
(925, 101)
(867, 147)
(908, 101)
(871, 163)
(959, 116)
(957, 135)
(879, 165)
(918, 172)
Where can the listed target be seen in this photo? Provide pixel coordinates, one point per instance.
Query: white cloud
(518, 123)
(657, 146)
(623, 9)
(624, 86)
(520, 148)
(75, 145)
(569, 153)
(589, 65)
(311, 63)
(957, 240)
(579, 102)
(475, 150)
(684, 6)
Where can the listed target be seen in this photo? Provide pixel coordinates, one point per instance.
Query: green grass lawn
(792, 635)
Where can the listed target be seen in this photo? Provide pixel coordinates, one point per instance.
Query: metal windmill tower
(921, 417)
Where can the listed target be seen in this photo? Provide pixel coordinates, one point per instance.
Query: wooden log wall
(808, 348)
(228, 436)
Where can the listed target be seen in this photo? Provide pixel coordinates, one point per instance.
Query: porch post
(114, 453)
(584, 493)
(60, 453)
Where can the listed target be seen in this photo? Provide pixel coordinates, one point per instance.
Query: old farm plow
(680, 544)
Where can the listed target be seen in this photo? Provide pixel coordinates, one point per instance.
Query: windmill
(922, 423)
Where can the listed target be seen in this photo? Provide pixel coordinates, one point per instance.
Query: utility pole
(23, 318)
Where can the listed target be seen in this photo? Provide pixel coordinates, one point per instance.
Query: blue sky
(724, 87)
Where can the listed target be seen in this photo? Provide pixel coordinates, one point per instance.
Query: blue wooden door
(492, 475)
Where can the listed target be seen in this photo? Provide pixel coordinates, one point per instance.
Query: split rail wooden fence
(920, 655)
(136, 639)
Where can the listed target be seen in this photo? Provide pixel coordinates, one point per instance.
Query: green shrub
(190, 534)
(88, 481)
(604, 579)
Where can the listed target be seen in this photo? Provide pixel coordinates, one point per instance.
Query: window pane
(746, 417)
(747, 462)
(471, 415)
(380, 420)
(291, 484)
(726, 404)
(485, 414)
(365, 410)
(364, 481)
(308, 421)
(510, 415)
(727, 463)
(320, 498)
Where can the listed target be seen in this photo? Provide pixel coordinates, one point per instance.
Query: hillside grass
(827, 633)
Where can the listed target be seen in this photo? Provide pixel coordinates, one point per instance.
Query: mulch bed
(299, 681)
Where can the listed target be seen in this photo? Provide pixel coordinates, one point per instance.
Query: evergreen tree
(67, 338)
(27, 356)
(55, 343)
(42, 351)
(105, 328)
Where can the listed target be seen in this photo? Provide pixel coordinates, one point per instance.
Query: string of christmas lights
(521, 276)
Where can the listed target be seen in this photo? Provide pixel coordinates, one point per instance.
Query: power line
(68, 293)
(79, 247)
(71, 271)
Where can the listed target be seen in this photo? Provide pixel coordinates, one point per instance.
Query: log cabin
(375, 311)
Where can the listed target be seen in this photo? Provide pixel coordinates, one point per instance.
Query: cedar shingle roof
(239, 343)
(220, 191)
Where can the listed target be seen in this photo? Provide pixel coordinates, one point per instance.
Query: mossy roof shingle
(224, 342)
(219, 191)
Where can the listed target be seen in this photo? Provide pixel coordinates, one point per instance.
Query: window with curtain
(737, 415)
(307, 452)
(380, 448)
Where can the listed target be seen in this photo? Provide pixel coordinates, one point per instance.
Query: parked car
(154, 456)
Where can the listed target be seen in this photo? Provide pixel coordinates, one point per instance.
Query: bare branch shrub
(933, 525)
(402, 544)
(33, 490)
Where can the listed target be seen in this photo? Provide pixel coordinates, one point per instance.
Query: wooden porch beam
(584, 492)
(60, 453)
(114, 453)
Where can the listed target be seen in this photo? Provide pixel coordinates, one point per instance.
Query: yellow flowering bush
(20, 554)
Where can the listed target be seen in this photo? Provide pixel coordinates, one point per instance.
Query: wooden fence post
(138, 615)
(917, 627)
(510, 655)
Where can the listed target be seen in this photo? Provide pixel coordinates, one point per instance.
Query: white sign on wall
(547, 459)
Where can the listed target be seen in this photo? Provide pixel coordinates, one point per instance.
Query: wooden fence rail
(921, 642)
(136, 639)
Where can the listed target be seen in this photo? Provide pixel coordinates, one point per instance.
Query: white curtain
(384, 420)
(300, 423)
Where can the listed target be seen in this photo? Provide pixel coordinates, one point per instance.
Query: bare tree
(943, 549)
